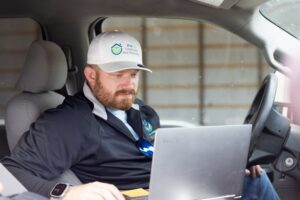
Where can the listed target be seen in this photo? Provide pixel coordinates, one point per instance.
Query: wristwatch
(59, 191)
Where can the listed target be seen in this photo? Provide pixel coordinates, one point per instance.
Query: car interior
(213, 62)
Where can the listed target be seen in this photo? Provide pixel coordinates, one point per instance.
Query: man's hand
(93, 191)
(254, 171)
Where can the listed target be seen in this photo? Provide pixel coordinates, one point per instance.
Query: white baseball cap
(115, 51)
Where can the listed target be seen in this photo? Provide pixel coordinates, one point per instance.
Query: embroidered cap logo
(116, 49)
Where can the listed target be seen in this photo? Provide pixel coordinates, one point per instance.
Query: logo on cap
(116, 49)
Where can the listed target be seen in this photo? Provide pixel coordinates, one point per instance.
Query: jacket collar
(99, 108)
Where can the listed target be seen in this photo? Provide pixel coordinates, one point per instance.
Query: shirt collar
(99, 108)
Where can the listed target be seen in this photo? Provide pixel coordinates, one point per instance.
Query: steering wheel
(261, 107)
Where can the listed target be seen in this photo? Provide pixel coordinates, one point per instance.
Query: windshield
(285, 14)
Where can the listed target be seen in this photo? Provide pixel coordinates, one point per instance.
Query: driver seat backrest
(44, 70)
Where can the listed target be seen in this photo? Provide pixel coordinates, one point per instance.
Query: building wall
(202, 73)
(16, 35)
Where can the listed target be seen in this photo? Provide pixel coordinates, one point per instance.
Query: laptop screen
(199, 163)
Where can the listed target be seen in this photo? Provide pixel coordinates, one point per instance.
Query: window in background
(202, 74)
(16, 36)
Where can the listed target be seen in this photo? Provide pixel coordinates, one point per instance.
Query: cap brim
(120, 66)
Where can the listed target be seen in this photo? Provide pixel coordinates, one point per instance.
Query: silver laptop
(199, 163)
(10, 184)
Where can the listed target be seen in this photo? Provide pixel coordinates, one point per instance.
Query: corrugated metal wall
(15, 37)
(201, 73)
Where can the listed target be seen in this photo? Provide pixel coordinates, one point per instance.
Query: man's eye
(133, 75)
(117, 75)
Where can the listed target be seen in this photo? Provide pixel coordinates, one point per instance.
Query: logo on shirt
(145, 147)
(148, 127)
(147, 150)
(116, 49)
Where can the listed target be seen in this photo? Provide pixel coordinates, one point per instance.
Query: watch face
(59, 189)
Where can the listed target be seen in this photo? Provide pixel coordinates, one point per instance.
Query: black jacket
(71, 136)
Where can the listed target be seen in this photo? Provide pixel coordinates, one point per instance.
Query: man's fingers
(259, 170)
(113, 190)
(94, 191)
(247, 172)
(94, 196)
(254, 171)
(107, 194)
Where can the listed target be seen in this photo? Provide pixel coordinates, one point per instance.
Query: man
(103, 133)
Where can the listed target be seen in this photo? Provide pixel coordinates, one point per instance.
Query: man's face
(117, 89)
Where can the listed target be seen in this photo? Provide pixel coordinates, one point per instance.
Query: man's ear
(90, 75)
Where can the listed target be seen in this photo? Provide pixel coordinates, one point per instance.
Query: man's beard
(112, 100)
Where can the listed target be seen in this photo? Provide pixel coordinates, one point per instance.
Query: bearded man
(104, 134)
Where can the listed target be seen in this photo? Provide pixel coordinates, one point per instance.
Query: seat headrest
(45, 68)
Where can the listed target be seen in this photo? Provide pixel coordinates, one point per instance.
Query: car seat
(45, 70)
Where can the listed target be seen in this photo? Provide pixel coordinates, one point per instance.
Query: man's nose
(128, 82)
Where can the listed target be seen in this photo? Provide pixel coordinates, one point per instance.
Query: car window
(16, 35)
(202, 74)
(283, 13)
